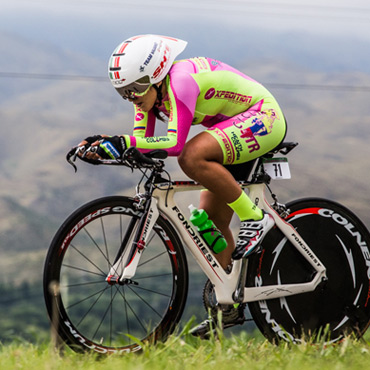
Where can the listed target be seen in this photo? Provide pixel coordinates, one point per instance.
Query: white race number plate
(277, 168)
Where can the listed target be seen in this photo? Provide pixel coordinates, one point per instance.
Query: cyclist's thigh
(250, 134)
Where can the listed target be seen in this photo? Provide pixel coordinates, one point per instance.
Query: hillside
(43, 118)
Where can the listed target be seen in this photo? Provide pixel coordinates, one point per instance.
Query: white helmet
(141, 61)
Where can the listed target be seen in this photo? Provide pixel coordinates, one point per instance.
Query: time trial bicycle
(116, 273)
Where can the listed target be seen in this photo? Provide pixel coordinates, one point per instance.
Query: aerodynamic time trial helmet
(141, 61)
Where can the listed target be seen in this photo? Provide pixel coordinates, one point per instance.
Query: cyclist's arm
(183, 92)
(144, 123)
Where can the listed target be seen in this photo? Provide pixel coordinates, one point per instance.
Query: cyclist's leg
(243, 138)
(239, 139)
(220, 214)
(202, 160)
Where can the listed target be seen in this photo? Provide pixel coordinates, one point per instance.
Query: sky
(300, 30)
(79, 20)
(322, 35)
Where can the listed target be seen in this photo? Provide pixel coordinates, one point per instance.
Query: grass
(243, 351)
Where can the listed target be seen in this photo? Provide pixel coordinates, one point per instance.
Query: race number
(277, 168)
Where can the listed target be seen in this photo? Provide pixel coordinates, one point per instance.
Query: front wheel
(337, 308)
(88, 313)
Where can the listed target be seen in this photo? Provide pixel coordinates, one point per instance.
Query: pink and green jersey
(239, 112)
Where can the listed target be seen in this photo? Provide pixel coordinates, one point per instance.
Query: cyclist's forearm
(170, 143)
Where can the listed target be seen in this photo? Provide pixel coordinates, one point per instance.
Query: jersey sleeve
(144, 123)
(183, 92)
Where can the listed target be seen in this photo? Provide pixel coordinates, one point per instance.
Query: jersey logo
(210, 93)
(139, 116)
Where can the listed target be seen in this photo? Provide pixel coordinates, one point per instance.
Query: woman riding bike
(243, 121)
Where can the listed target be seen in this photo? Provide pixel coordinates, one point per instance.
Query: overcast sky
(334, 17)
(96, 27)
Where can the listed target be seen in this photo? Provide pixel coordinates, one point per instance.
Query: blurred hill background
(54, 91)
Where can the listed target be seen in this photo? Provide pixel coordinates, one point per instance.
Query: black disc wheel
(90, 314)
(339, 307)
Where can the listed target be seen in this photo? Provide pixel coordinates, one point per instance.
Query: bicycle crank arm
(238, 295)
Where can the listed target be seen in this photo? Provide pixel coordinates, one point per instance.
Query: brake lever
(71, 157)
(73, 153)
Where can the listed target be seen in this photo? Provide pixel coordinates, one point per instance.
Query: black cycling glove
(111, 147)
(92, 139)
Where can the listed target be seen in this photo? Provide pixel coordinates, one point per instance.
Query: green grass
(185, 352)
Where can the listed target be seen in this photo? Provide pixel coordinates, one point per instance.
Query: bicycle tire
(89, 314)
(338, 308)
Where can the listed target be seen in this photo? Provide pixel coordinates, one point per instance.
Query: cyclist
(242, 122)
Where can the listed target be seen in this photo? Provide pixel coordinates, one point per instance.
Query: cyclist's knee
(189, 158)
(183, 160)
(198, 151)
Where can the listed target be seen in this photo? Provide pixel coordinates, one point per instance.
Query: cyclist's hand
(96, 148)
(88, 147)
(102, 147)
(111, 147)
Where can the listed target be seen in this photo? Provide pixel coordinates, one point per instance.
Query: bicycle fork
(133, 244)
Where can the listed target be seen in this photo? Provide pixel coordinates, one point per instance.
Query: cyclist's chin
(145, 107)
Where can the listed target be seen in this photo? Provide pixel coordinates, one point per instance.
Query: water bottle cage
(211, 230)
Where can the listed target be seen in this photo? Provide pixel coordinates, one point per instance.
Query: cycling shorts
(250, 134)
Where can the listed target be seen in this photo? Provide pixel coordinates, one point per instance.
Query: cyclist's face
(146, 102)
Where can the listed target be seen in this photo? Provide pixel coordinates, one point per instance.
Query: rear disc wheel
(337, 308)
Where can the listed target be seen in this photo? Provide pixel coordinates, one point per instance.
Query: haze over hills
(42, 118)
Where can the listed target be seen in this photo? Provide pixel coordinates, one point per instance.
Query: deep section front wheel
(338, 307)
(90, 314)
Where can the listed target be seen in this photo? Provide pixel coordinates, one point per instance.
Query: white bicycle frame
(225, 284)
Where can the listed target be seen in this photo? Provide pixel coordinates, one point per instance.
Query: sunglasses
(135, 89)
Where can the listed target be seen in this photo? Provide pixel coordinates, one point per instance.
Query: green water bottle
(207, 229)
